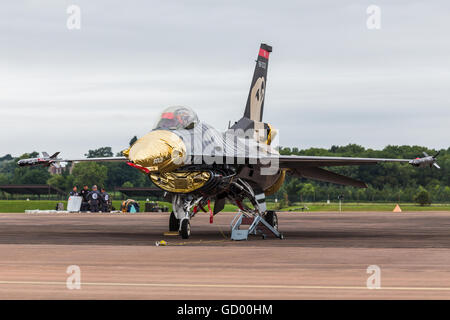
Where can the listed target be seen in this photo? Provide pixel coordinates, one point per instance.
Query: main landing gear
(272, 219)
(261, 220)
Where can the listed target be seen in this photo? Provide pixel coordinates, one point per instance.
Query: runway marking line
(241, 286)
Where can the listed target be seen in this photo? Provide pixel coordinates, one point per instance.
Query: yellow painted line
(171, 233)
(196, 242)
(218, 285)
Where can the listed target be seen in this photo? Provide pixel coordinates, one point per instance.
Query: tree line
(391, 182)
(105, 174)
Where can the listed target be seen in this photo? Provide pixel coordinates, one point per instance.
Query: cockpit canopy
(174, 118)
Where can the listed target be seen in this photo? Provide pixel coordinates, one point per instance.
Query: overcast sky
(331, 81)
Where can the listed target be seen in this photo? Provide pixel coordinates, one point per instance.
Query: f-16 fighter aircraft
(197, 164)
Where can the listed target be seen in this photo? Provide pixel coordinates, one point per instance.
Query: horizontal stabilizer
(315, 173)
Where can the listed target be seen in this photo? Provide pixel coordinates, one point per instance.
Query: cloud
(331, 80)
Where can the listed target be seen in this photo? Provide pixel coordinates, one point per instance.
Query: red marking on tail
(264, 53)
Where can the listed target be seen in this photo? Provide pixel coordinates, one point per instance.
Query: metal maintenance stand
(257, 225)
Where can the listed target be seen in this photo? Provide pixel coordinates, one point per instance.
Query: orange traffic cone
(397, 209)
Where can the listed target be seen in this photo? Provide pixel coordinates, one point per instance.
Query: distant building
(54, 170)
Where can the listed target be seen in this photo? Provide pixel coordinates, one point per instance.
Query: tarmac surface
(323, 256)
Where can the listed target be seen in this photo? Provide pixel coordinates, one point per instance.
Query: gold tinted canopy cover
(158, 151)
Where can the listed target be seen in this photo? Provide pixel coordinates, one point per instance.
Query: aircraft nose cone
(158, 151)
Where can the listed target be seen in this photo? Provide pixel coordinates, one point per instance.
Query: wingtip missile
(46, 160)
(427, 161)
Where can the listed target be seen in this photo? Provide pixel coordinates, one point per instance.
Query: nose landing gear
(182, 213)
(174, 222)
(185, 229)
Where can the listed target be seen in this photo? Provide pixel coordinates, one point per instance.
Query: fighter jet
(197, 164)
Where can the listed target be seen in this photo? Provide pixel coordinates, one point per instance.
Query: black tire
(272, 219)
(174, 223)
(185, 228)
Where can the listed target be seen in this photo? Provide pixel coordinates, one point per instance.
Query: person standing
(94, 198)
(74, 192)
(85, 201)
(105, 200)
(75, 201)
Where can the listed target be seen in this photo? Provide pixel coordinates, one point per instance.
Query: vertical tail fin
(255, 101)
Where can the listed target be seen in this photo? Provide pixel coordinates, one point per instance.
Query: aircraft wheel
(185, 228)
(174, 223)
(272, 218)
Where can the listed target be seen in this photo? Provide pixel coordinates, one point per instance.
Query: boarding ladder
(257, 226)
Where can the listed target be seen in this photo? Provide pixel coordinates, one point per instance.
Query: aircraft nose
(158, 151)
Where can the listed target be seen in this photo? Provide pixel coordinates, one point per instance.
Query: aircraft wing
(316, 161)
(309, 167)
(105, 159)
